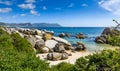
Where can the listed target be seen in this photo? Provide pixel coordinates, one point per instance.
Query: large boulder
(59, 47)
(47, 36)
(61, 40)
(40, 44)
(80, 46)
(54, 56)
(31, 39)
(50, 43)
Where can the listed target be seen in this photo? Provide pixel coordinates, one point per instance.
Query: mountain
(30, 24)
(46, 25)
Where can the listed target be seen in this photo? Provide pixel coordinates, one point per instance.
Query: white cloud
(22, 14)
(27, 6)
(84, 5)
(14, 16)
(58, 9)
(5, 2)
(71, 5)
(5, 10)
(33, 12)
(44, 8)
(30, 1)
(111, 5)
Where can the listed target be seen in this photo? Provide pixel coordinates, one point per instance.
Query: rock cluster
(80, 36)
(106, 32)
(80, 46)
(43, 41)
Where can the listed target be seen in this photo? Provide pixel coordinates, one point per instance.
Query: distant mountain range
(30, 24)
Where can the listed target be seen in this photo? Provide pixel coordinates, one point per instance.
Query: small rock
(62, 35)
(81, 36)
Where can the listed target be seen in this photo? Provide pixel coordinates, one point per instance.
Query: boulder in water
(81, 36)
(80, 46)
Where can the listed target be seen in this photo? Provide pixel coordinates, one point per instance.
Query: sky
(69, 13)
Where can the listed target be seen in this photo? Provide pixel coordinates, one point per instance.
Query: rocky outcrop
(106, 32)
(80, 36)
(44, 41)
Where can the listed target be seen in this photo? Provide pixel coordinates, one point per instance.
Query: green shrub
(62, 67)
(16, 54)
(114, 40)
(107, 60)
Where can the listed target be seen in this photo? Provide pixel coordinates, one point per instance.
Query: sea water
(91, 32)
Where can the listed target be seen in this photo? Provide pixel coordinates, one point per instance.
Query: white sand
(71, 59)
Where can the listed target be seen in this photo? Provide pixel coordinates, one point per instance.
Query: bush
(114, 40)
(107, 60)
(16, 54)
(62, 67)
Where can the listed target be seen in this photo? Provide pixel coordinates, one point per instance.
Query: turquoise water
(91, 32)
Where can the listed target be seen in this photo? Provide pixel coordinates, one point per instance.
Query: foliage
(62, 67)
(107, 60)
(16, 54)
(114, 40)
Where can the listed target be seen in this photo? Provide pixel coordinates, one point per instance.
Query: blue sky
(73, 13)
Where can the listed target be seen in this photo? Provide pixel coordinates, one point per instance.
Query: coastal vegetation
(17, 54)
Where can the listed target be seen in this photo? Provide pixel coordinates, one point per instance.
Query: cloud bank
(111, 5)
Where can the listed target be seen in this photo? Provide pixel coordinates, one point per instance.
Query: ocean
(91, 32)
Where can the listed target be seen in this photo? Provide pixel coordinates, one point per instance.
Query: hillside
(30, 24)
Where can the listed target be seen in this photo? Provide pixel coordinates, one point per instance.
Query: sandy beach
(71, 59)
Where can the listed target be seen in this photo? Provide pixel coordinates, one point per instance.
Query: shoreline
(72, 59)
